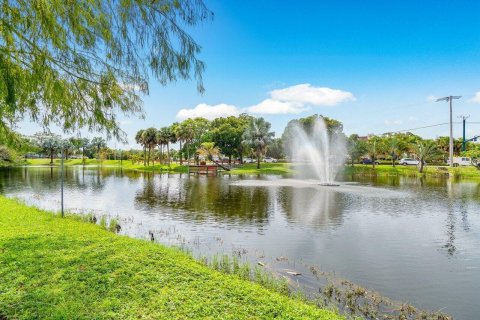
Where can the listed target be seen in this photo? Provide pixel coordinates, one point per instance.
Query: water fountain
(320, 155)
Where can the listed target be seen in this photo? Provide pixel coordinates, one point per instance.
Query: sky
(377, 66)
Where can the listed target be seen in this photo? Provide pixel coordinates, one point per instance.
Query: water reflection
(312, 207)
(203, 198)
(420, 245)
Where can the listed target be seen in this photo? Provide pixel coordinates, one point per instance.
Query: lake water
(410, 239)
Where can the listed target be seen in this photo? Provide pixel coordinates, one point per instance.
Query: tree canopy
(77, 64)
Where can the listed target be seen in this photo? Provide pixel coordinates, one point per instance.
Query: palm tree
(98, 143)
(139, 139)
(258, 136)
(356, 148)
(425, 150)
(163, 139)
(394, 147)
(51, 145)
(150, 140)
(208, 150)
(172, 139)
(373, 148)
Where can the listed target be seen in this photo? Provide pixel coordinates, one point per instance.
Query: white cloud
(209, 112)
(475, 98)
(390, 122)
(309, 95)
(431, 99)
(290, 100)
(412, 118)
(272, 106)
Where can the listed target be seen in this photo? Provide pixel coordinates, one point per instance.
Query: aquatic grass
(68, 269)
(232, 265)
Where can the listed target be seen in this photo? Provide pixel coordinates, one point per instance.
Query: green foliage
(307, 123)
(275, 149)
(7, 156)
(76, 63)
(394, 146)
(227, 133)
(68, 269)
(425, 150)
(356, 148)
(208, 150)
(258, 136)
(98, 144)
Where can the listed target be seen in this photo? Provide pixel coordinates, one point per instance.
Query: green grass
(285, 168)
(54, 268)
(412, 171)
(126, 164)
(265, 168)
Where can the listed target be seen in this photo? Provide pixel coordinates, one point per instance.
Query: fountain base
(328, 184)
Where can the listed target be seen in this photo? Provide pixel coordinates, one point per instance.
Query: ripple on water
(341, 187)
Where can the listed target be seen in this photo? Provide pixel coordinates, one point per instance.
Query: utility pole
(449, 99)
(464, 142)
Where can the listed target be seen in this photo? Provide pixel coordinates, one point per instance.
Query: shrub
(6, 154)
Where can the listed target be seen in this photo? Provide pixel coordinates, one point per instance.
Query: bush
(6, 154)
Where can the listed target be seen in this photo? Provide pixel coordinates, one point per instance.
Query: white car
(408, 162)
(269, 159)
(247, 160)
(460, 161)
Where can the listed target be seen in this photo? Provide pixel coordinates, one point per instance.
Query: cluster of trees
(395, 146)
(236, 138)
(52, 145)
(233, 137)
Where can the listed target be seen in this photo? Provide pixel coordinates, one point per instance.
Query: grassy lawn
(54, 268)
(266, 168)
(412, 171)
(126, 164)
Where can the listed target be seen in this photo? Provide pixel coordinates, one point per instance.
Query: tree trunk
(421, 167)
(353, 162)
(180, 152)
(393, 161)
(160, 160)
(373, 162)
(144, 156)
(51, 157)
(168, 153)
(258, 159)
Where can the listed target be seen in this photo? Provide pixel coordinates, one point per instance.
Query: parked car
(368, 161)
(269, 159)
(408, 162)
(460, 161)
(248, 160)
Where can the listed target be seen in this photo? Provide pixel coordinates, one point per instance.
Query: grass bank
(412, 171)
(125, 164)
(285, 168)
(265, 168)
(54, 268)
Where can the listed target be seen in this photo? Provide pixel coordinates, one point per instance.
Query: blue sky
(385, 58)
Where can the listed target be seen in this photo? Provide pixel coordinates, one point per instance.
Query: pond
(410, 239)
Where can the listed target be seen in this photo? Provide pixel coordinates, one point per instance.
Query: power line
(418, 128)
(425, 127)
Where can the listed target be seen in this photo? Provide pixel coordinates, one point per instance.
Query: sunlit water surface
(413, 240)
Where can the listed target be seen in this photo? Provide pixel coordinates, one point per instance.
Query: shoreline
(70, 268)
(382, 170)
